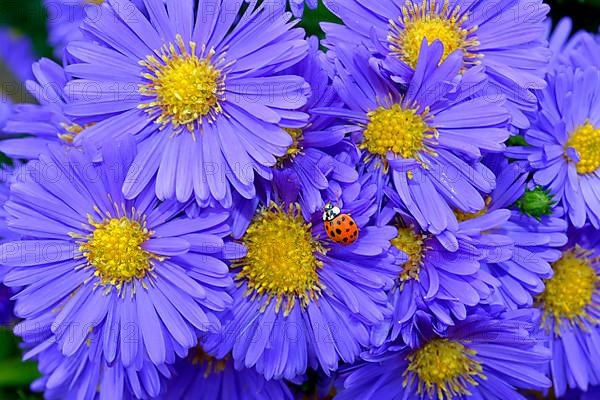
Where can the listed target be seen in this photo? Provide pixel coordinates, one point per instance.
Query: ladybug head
(330, 212)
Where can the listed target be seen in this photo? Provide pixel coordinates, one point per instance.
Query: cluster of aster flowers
(208, 203)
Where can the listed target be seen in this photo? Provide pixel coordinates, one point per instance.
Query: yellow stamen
(71, 131)
(187, 88)
(433, 22)
(444, 369)
(413, 245)
(294, 149)
(462, 216)
(586, 141)
(281, 262)
(210, 364)
(114, 250)
(401, 131)
(569, 293)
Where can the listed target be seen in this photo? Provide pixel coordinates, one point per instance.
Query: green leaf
(17, 373)
(8, 344)
(312, 18)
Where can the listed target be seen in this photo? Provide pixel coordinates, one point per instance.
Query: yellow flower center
(294, 149)
(586, 141)
(462, 216)
(97, 2)
(569, 292)
(210, 364)
(433, 22)
(444, 369)
(412, 244)
(397, 130)
(187, 88)
(281, 261)
(114, 250)
(71, 131)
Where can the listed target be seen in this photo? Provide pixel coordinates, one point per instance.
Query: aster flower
(579, 50)
(203, 377)
(6, 313)
(6, 305)
(85, 375)
(301, 299)
(442, 276)
(591, 393)
(571, 313)
(65, 17)
(5, 110)
(205, 103)
(16, 53)
(430, 138)
(44, 123)
(564, 143)
(506, 37)
(296, 6)
(16, 56)
(7, 176)
(91, 258)
(484, 357)
(535, 227)
(585, 51)
(313, 159)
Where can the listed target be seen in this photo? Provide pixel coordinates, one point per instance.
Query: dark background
(29, 18)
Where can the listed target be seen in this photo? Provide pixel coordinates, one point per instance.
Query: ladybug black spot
(355, 233)
(331, 233)
(343, 218)
(345, 240)
(348, 230)
(339, 222)
(338, 231)
(351, 223)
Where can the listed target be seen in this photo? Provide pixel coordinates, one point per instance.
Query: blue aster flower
(85, 375)
(564, 143)
(45, 122)
(91, 258)
(429, 138)
(506, 37)
(574, 394)
(296, 6)
(16, 55)
(313, 160)
(484, 357)
(7, 176)
(301, 299)
(196, 88)
(6, 307)
(65, 17)
(203, 377)
(443, 275)
(536, 228)
(5, 110)
(571, 313)
(579, 50)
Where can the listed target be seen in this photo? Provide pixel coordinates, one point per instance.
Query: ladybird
(340, 228)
